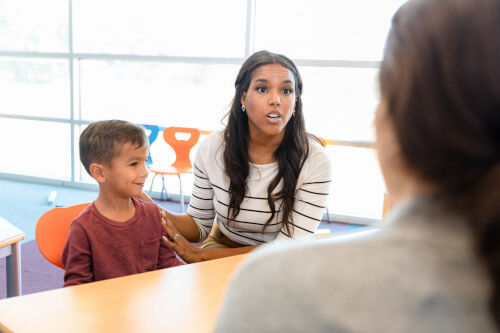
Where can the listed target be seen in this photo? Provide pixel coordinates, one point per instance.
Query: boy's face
(127, 174)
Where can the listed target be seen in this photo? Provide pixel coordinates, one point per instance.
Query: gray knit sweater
(418, 274)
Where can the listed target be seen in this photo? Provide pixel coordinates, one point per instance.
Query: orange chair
(182, 162)
(52, 230)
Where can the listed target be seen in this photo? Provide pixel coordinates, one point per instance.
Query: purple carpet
(37, 273)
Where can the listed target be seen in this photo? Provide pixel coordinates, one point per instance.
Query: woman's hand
(179, 244)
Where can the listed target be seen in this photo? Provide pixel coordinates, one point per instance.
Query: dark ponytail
(440, 78)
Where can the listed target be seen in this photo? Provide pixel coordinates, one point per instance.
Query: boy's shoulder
(148, 208)
(147, 204)
(85, 215)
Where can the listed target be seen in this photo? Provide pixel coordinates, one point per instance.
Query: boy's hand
(178, 243)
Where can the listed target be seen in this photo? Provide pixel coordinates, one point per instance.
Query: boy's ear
(97, 172)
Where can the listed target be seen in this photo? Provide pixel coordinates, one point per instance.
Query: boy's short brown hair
(101, 141)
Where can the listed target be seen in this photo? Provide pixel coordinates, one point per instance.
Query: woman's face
(269, 101)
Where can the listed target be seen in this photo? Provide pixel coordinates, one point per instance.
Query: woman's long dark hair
(290, 154)
(441, 80)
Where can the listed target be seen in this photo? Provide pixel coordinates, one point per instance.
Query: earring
(243, 108)
(293, 113)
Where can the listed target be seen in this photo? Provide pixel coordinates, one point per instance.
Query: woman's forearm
(185, 225)
(209, 254)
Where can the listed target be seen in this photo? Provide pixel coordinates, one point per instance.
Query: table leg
(14, 271)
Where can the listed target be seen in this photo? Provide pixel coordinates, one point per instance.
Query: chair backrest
(181, 147)
(52, 230)
(152, 135)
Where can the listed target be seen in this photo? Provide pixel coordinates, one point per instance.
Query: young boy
(117, 234)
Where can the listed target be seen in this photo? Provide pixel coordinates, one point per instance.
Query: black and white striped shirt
(210, 198)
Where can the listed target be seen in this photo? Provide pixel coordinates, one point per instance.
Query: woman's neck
(261, 158)
(261, 154)
(261, 149)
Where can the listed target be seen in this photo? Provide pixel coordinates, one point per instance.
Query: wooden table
(178, 299)
(10, 237)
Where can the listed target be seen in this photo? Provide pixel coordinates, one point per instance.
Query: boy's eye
(133, 164)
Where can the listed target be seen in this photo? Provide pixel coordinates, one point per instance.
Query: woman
(263, 178)
(435, 267)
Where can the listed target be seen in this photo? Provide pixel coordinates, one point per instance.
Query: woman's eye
(261, 89)
(287, 91)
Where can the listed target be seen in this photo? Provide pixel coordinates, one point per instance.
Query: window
(66, 63)
(36, 148)
(169, 94)
(324, 30)
(161, 27)
(340, 102)
(35, 87)
(23, 28)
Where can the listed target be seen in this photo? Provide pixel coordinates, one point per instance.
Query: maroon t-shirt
(98, 248)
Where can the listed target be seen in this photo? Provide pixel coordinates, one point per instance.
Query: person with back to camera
(435, 265)
(263, 178)
(117, 234)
